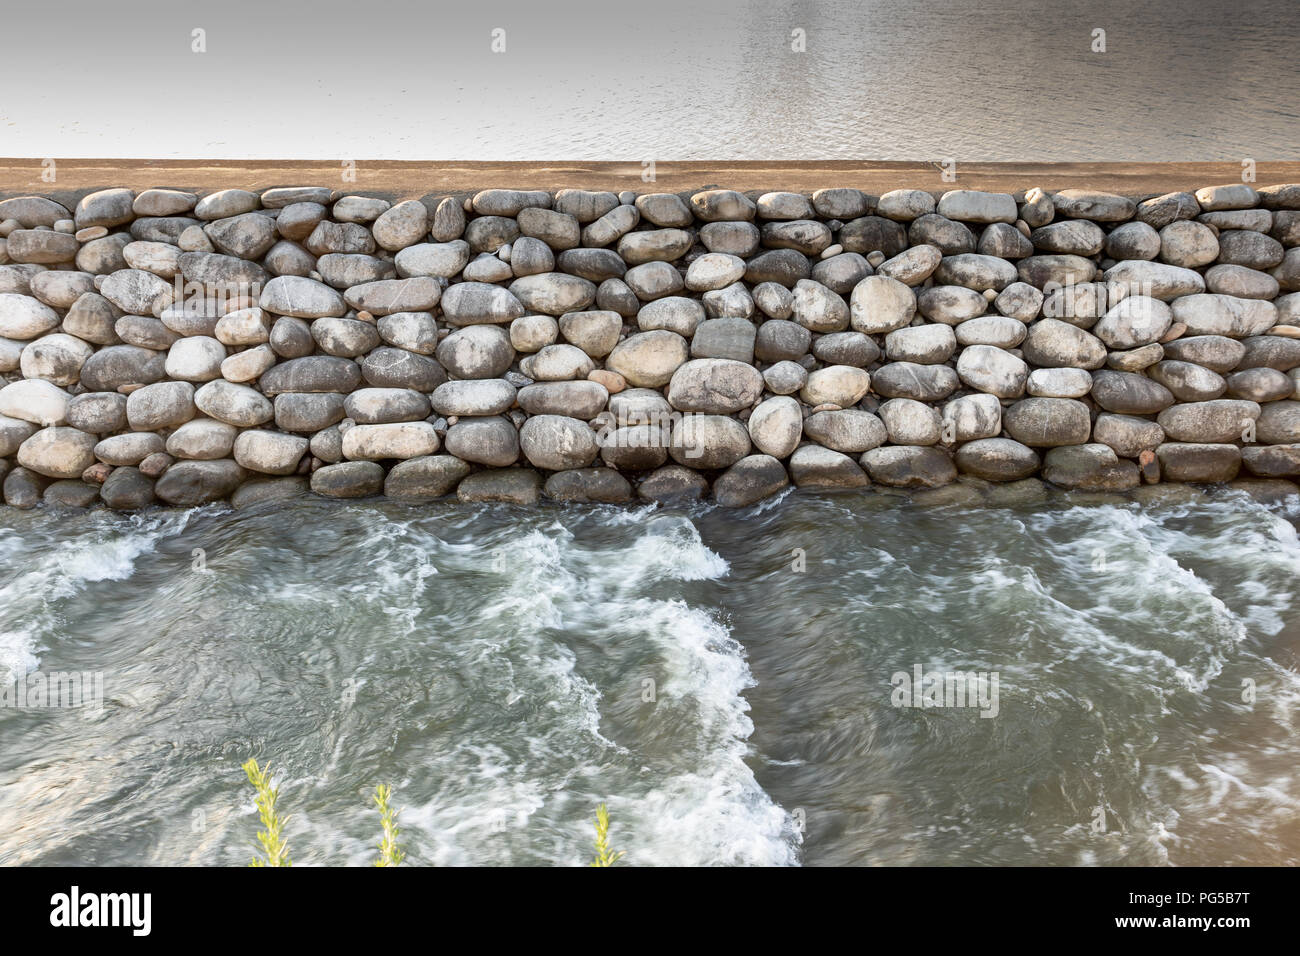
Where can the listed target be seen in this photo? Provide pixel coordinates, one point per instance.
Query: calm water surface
(972, 80)
(494, 665)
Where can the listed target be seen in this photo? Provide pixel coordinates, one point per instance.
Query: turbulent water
(721, 679)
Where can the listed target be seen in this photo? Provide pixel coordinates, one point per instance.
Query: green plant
(271, 838)
(276, 848)
(604, 856)
(390, 854)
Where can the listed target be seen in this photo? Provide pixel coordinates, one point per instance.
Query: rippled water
(970, 80)
(506, 670)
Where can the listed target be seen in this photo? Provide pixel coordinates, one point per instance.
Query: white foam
(38, 575)
(533, 796)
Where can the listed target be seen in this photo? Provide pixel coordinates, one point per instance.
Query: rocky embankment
(593, 346)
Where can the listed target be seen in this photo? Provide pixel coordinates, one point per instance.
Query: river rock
(1211, 314)
(1059, 383)
(611, 226)
(383, 406)
(1188, 382)
(1160, 211)
(401, 225)
(1046, 422)
(1216, 352)
(906, 466)
(1129, 394)
(815, 468)
(1126, 435)
(950, 304)
(1241, 282)
(949, 237)
(472, 397)
(476, 351)
(552, 293)
(1052, 343)
(119, 365)
(749, 480)
(785, 378)
(106, 207)
(516, 486)
(907, 422)
(302, 298)
(1049, 271)
(1279, 423)
(130, 448)
(664, 209)
(190, 484)
(401, 440)
(397, 368)
(308, 411)
(558, 443)
(347, 338)
(925, 383)
(1272, 461)
(1137, 320)
(234, 404)
(970, 205)
(782, 266)
(715, 386)
(1270, 351)
(588, 486)
(922, 344)
(1091, 204)
(880, 304)
(425, 478)
(1091, 467)
(993, 370)
(1156, 279)
(96, 412)
(776, 426)
(268, 452)
(486, 441)
(93, 319)
(1188, 244)
(1133, 240)
(840, 273)
(195, 358)
(1190, 461)
(57, 452)
(999, 331)
(841, 385)
(349, 479)
(161, 405)
(847, 430)
(57, 358)
(32, 211)
(41, 246)
(126, 489)
(1077, 237)
(996, 459)
(648, 359)
(972, 417)
(24, 317)
(708, 441)
(202, 438)
(557, 363)
(1223, 420)
(976, 272)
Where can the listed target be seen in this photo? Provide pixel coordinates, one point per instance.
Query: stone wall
(588, 346)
